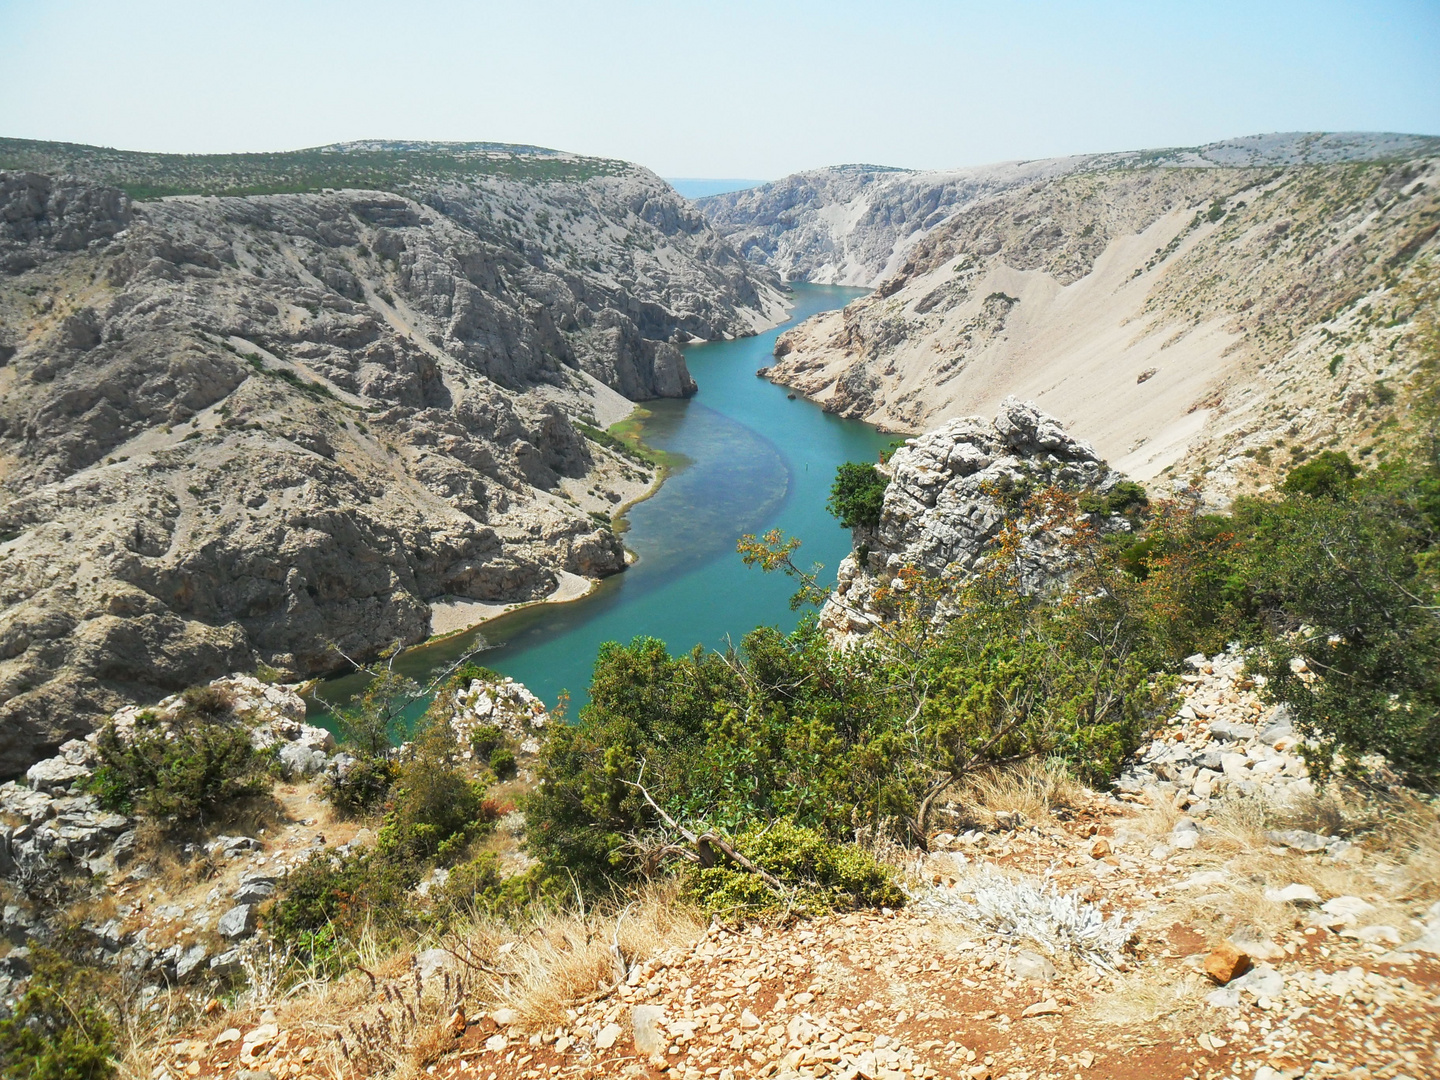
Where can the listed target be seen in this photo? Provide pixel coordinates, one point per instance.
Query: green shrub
(1123, 498)
(1339, 571)
(1347, 584)
(211, 702)
(185, 769)
(824, 876)
(469, 673)
(831, 740)
(502, 763)
(60, 1029)
(434, 813)
(485, 739)
(1326, 476)
(1126, 495)
(857, 495)
(324, 905)
(362, 787)
(480, 887)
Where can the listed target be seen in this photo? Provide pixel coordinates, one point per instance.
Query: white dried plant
(1018, 909)
(267, 969)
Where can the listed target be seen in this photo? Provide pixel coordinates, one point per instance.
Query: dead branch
(708, 843)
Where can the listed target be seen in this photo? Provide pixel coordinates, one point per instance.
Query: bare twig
(707, 843)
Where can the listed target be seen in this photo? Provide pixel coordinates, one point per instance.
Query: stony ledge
(1343, 974)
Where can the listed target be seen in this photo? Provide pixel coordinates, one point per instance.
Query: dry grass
(1238, 904)
(1035, 789)
(566, 957)
(539, 968)
(1143, 998)
(1238, 825)
(1422, 865)
(1412, 831)
(1156, 822)
(1402, 829)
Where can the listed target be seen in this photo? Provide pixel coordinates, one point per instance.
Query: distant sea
(693, 187)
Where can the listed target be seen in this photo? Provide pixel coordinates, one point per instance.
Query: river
(758, 460)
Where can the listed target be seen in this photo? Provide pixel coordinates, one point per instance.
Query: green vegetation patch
(819, 876)
(61, 1028)
(183, 769)
(397, 167)
(858, 495)
(628, 437)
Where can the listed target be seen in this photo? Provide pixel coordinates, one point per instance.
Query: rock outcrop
(62, 829)
(951, 492)
(234, 430)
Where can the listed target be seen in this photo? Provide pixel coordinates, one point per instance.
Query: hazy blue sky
(716, 89)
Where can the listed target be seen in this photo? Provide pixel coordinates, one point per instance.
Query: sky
(708, 89)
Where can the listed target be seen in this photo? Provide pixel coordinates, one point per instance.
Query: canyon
(245, 425)
(1206, 316)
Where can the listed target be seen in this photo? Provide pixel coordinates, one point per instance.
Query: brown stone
(1226, 963)
(1100, 848)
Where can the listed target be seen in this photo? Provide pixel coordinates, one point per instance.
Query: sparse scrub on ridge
(148, 176)
(182, 769)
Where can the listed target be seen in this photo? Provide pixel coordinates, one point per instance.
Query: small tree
(857, 495)
(374, 722)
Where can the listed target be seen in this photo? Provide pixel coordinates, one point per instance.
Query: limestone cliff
(948, 497)
(852, 224)
(234, 429)
(1191, 319)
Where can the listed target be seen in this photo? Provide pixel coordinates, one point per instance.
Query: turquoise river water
(759, 460)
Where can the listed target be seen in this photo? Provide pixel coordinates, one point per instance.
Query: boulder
(1029, 965)
(227, 964)
(1347, 907)
(1256, 945)
(1299, 839)
(1276, 733)
(238, 922)
(297, 759)
(16, 963)
(944, 507)
(1262, 981)
(1299, 895)
(1226, 963)
(254, 887)
(645, 1021)
(190, 960)
(55, 774)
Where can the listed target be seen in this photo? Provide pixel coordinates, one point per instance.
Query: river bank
(753, 459)
(456, 615)
(450, 616)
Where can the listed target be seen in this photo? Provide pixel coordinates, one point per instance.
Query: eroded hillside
(1208, 323)
(233, 429)
(853, 224)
